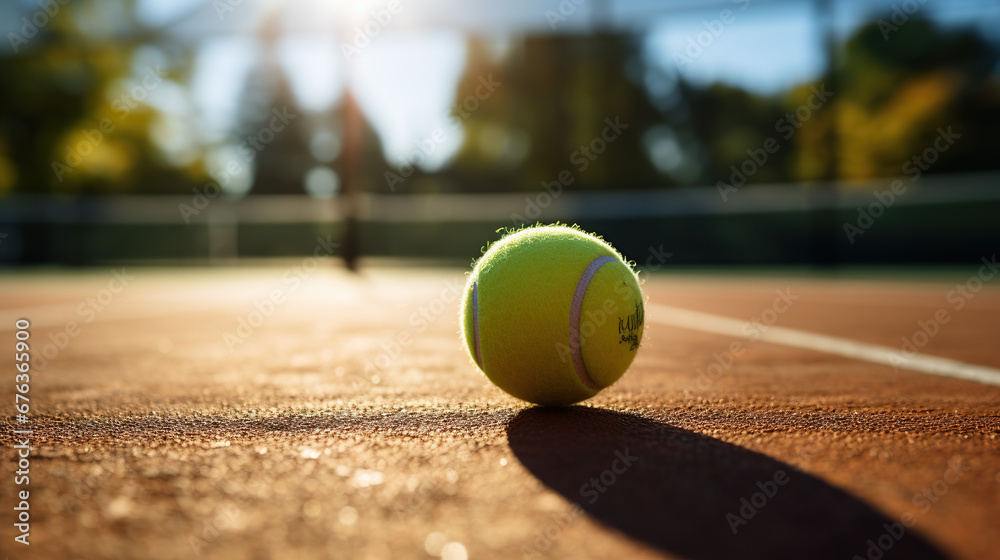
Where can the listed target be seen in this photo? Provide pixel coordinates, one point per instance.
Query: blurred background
(756, 132)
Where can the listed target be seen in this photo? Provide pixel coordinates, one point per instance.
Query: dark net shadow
(682, 492)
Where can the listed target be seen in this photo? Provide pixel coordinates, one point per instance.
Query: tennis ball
(552, 315)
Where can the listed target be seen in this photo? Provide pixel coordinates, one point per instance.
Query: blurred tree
(731, 124)
(561, 103)
(895, 95)
(45, 91)
(283, 142)
(899, 91)
(75, 118)
(273, 133)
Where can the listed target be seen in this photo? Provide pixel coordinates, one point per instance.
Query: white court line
(694, 320)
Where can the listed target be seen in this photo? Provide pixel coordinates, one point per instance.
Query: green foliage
(560, 99)
(551, 114)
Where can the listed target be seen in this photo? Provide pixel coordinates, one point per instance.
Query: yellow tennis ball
(552, 315)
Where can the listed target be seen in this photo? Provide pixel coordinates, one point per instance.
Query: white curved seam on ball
(475, 322)
(575, 312)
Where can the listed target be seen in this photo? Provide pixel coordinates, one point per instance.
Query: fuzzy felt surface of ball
(552, 314)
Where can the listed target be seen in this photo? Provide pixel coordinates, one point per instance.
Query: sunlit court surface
(239, 315)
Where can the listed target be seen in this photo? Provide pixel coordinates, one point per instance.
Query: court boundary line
(874, 353)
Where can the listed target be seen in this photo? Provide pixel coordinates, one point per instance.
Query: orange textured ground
(154, 439)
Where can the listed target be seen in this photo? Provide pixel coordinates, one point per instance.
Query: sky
(763, 49)
(405, 76)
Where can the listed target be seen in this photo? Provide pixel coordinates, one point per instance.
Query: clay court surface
(351, 424)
